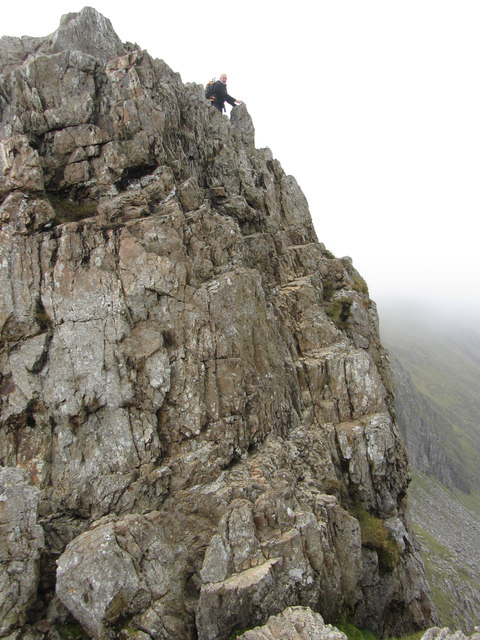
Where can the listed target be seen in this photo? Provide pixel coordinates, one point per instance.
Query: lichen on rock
(193, 383)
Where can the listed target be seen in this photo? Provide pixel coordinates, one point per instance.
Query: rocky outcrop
(437, 633)
(295, 623)
(192, 382)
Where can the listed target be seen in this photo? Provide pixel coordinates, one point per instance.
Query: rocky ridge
(194, 399)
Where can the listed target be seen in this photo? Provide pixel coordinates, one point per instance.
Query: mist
(413, 315)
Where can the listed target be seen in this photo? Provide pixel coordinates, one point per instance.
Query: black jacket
(220, 96)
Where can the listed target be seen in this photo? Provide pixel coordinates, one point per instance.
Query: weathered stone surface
(21, 541)
(437, 633)
(87, 31)
(118, 567)
(195, 385)
(295, 623)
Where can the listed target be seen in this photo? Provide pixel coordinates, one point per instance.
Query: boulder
(294, 623)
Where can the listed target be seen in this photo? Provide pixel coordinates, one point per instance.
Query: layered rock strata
(192, 383)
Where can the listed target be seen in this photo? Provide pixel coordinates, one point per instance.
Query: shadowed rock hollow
(193, 392)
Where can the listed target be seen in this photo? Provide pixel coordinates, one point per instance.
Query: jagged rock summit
(195, 403)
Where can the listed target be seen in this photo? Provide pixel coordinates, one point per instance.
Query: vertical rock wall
(193, 384)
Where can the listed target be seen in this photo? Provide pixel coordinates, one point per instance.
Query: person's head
(223, 78)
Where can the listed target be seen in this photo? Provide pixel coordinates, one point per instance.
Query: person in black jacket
(220, 95)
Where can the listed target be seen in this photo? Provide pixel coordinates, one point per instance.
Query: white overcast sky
(373, 106)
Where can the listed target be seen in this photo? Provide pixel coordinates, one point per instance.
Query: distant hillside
(436, 369)
(448, 526)
(436, 365)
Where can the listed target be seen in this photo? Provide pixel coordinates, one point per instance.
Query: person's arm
(230, 100)
(221, 93)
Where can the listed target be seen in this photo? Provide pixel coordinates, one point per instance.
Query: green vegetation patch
(354, 633)
(68, 210)
(328, 254)
(70, 632)
(375, 536)
(413, 636)
(360, 285)
(339, 312)
(41, 316)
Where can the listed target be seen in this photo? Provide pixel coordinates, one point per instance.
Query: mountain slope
(449, 529)
(436, 370)
(437, 364)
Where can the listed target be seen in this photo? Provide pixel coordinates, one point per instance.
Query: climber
(218, 94)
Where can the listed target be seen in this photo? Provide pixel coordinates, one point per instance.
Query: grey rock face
(118, 567)
(21, 541)
(89, 32)
(195, 385)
